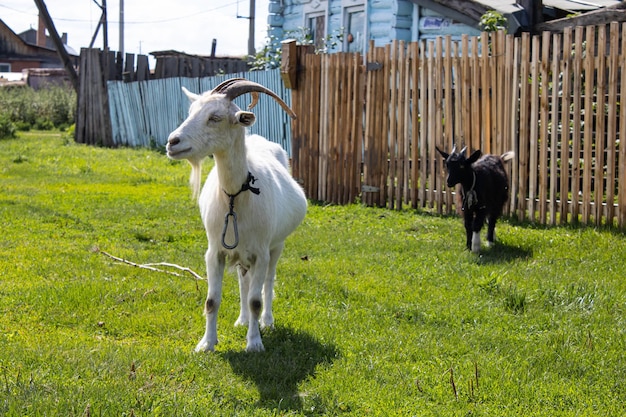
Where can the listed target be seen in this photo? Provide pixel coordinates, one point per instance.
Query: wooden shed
(180, 64)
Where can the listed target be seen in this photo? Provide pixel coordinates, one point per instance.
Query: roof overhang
(600, 16)
(470, 12)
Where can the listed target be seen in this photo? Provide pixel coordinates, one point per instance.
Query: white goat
(249, 203)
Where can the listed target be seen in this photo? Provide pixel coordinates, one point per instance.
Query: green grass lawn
(378, 312)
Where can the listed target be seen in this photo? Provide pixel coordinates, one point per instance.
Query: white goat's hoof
(267, 322)
(205, 346)
(241, 321)
(256, 346)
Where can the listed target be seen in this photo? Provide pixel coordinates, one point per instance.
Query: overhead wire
(145, 22)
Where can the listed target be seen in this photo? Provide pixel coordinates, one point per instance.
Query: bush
(493, 21)
(7, 128)
(48, 108)
(270, 56)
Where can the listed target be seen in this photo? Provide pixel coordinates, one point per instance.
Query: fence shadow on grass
(290, 357)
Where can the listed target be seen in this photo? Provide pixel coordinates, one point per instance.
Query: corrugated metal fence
(144, 113)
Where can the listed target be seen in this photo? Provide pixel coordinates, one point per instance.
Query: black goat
(484, 189)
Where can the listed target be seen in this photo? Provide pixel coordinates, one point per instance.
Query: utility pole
(102, 22)
(122, 27)
(105, 27)
(251, 49)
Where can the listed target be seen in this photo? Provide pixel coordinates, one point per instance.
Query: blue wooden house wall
(383, 22)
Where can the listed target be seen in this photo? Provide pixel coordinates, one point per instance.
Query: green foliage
(45, 109)
(269, 57)
(378, 312)
(7, 128)
(493, 21)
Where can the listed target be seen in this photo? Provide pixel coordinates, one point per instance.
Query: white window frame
(315, 9)
(349, 7)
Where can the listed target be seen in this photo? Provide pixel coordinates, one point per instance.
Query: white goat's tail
(195, 178)
(507, 156)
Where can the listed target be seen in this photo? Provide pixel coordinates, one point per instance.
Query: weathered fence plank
(612, 109)
(621, 155)
(600, 128)
(577, 127)
(93, 121)
(448, 128)
(553, 139)
(565, 172)
(588, 111)
(523, 134)
(414, 59)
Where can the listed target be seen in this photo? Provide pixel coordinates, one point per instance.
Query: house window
(354, 39)
(316, 24)
(5, 67)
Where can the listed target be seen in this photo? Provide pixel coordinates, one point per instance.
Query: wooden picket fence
(327, 136)
(368, 126)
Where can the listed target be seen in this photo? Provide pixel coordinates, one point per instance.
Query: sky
(150, 25)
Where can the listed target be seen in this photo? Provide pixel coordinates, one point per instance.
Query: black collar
(231, 210)
(245, 187)
(470, 198)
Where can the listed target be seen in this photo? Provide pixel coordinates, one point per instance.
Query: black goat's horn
(236, 87)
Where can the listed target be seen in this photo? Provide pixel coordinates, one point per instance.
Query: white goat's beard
(195, 179)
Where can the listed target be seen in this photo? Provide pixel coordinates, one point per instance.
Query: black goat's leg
(491, 230)
(469, 220)
(479, 220)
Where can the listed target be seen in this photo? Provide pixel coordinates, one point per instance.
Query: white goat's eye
(214, 118)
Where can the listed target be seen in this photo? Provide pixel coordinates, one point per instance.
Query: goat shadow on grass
(290, 357)
(502, 253)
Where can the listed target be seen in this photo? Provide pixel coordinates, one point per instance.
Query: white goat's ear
(245, 118)
(191, 96)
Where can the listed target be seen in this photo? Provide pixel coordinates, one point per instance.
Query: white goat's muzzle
(175, 148)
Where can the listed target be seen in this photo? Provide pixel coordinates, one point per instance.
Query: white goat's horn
(255, 100)
(226, 84)
(236, 87)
